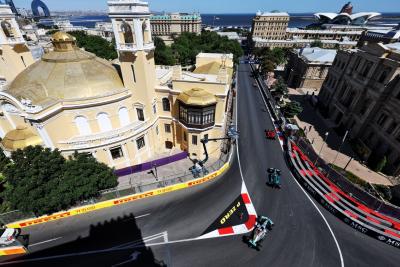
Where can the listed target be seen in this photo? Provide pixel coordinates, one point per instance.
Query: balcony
(15, 40)
(117, 7)
(103, 139)
(135, 48)
(128, 47)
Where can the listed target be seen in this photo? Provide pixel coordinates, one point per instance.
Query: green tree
(95, 44)
(4, 161)
(87, 176)
(42, 181)
(186, 46)
(267, 65)
(292, 109)
(317, 43)
(32, 180)
(279, 55)
(381, 164)
(163, 54)
(280, 87)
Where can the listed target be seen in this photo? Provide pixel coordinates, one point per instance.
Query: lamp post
(322, 147)
(340, 147)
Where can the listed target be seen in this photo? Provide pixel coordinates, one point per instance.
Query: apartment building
(270, 25)
(167, 25)
(307, 68)
(361, 94)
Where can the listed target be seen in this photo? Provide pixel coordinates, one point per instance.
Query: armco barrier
(348, 187)
(331, 198)
(118, 201)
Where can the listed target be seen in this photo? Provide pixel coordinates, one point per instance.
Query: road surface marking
(44, 242)
(137, 217)
(132, 257)
(325, 220)
(144, 215)
(141, 241)
(309, 198)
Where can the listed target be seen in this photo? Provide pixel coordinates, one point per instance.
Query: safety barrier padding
(343, 206)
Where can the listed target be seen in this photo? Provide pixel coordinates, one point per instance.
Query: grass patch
(350, 176)
(378, 190)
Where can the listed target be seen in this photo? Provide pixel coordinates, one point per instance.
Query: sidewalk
(166, 172)
(310, 117)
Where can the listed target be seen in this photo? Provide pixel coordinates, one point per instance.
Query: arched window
(166, 105)
(123, 116)
(83, 125)
(6, 26)
(127, 31)
(104, 122)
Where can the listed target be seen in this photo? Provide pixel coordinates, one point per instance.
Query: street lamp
(340, 147)
(319, 154)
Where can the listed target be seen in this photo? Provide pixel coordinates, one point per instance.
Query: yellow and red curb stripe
(116, 202)
(12, 251)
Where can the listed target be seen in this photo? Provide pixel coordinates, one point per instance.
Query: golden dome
(63, 42)
(197, 97)
(62, 37)
(69, 74)
(20, 138)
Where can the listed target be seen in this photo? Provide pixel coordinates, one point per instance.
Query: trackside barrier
(17, 250)
(347, 186)
(118, 201)
(344, 207)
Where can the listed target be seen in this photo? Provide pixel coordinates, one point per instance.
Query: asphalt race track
(168, 223)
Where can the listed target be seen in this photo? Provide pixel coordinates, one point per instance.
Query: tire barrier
(339, 203)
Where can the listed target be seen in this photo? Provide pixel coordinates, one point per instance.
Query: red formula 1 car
(270, 134)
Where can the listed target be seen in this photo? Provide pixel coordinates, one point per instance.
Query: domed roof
(62, 36)
(67, 73)
(20, 138)
(197, 97)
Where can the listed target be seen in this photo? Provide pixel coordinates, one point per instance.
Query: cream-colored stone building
(166, 25)
(15, 54)
(362, 94)
(270, 25)
(123, 113)
(307, 68)
(271, 30)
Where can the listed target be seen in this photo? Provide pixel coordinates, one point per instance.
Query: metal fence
(365, 197)
(163, 182)
(186, 176)
(130, 189)
(358, 193)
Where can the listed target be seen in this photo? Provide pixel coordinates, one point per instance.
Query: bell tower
(131, 25)
(15, 56)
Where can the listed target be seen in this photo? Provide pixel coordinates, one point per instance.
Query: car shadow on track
(117, 242)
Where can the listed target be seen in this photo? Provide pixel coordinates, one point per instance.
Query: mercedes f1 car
(274, 177)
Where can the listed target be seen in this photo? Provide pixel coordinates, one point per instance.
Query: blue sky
(231, 6)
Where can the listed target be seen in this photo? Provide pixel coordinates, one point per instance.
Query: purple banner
(151, 164)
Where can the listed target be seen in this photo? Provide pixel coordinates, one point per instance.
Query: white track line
(44, 242)
(325, 220)
(305, 193)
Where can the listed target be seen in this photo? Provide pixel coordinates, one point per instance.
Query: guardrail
(343, 206)
(334, 176)
(334, 198)
(356, 192)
